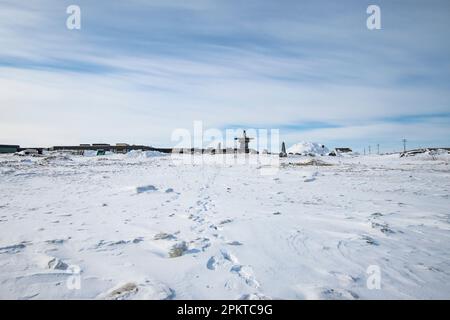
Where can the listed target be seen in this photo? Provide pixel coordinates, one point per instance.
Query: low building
(337, 151)
(9, 148)
(431, 151)
(343, 150)
(101, 145)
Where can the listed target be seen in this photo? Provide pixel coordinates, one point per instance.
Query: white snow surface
(144, 154)
(308, 148)
(142, 227)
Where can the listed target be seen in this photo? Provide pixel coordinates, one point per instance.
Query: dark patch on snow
(164, 236)
(15, 248)
(147, 188)
(370, 240)
(178, 249)
(383, 227)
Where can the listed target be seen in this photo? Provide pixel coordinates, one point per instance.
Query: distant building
(9, 148)
(343, 150)
(337, 151)
(283, 152)
(432, 151)
(101, 145)
(121, 147)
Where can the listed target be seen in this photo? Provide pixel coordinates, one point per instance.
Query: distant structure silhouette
(243, 143)
(283, 152)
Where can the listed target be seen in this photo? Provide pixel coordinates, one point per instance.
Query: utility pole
(404, 145)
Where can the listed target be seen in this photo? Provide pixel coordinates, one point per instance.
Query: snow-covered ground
(144, 226)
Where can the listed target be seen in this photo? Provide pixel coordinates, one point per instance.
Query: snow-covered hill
(307, 148)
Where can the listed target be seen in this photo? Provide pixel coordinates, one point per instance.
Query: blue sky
(139, 69)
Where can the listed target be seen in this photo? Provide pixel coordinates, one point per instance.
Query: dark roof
(9, 146)
(343, 149)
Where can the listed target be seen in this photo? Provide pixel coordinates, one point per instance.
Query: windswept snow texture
(145, 227)
(308, 148)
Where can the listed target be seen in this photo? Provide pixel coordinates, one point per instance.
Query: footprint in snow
(234, 243)
(223, 258)
(226, 221)
(164, 236)
(376, 214)
(325, 293)
(309, 176)
(345, 279)
(254, 296)
(338, 294)
(383, 227)
(244, 272)
(370, 240)
(57, 264)
(199, 244)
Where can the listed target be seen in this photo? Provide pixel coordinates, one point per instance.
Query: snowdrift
(144, 154)
(308, 148)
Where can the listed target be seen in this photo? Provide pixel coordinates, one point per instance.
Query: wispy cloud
(138, 70)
